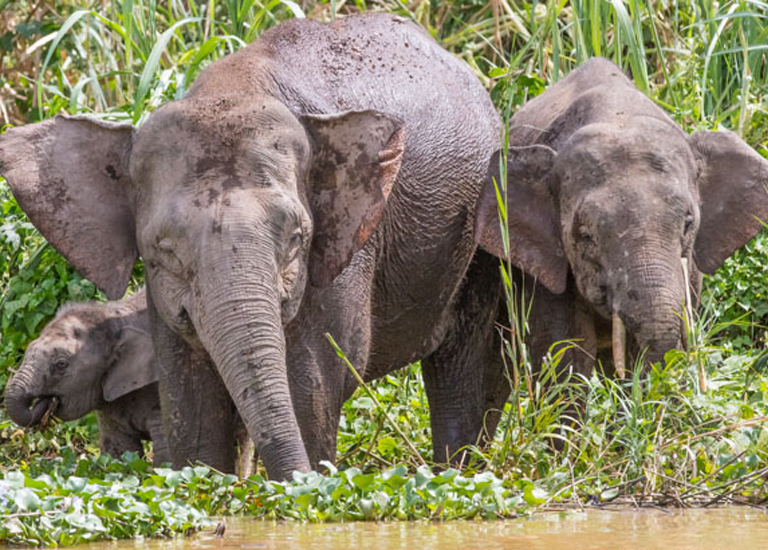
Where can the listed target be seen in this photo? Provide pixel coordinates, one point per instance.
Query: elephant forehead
(50, 345)
(221, 122)
(258, 144)
(64, 329)
(610, 150)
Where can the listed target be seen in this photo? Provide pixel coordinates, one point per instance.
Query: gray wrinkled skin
(606, 195)
(322, 179)
(76, 357)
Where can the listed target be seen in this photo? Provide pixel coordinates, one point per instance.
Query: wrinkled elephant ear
(356, 159)
(732, 188)
(533, 221)
(70, 176)
(133, 364)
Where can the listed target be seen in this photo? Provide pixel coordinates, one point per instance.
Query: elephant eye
(60, 365)
(688, 223)
(585, 235)
(166, 257)
(294, 245)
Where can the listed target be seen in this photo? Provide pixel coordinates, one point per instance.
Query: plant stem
(372, 395)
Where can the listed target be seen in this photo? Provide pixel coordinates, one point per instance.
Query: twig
(710, 476)
(370, 393)
(740, 483)
(29, 514)
(723, 429)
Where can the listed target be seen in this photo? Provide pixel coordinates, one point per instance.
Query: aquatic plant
(690, 433)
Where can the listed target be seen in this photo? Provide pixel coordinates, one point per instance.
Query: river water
(736, 528)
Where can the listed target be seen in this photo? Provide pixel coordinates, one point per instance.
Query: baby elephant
(95, 357)
(100, 357)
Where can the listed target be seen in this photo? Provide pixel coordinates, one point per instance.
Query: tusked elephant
(605, 196)
(99, 356)
(321, 180)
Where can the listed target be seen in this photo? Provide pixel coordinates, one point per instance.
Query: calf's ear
(530, 212)
(133, 364)
(70, 176)
(356, 160)
(732, 181)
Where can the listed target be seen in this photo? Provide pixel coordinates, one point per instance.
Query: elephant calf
(95, 357)
(608, 199)
(99, 357)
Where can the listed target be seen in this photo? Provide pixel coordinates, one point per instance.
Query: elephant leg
(321, 444)
(115, 435)
(196, 407)
(454, 374)
(319, 380)
(317, 403)
(562, 319)
(497, 378)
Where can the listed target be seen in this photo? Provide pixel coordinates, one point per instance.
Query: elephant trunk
(20, 400)
(652, 309)
(241, 328)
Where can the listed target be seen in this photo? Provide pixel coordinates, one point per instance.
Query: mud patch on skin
(111, 172)
(56, 194)
(231, 183)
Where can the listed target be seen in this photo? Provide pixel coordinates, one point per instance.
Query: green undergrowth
(72, 499)
(690, 433)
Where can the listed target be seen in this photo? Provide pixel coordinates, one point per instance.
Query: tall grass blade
(152, 64)
(68, 24)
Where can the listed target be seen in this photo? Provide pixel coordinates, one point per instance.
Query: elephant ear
(70, 176)
(533, 221)
(732, 188)
(356, 159)
(133, 364)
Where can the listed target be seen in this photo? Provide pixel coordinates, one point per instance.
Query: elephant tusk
(619, 341)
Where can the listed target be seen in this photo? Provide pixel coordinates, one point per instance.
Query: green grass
(691, 433)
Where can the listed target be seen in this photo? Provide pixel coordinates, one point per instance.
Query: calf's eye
(60, 365)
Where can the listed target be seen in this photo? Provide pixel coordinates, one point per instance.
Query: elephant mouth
(43, 408)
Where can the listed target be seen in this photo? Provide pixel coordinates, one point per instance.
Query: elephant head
(236, 206)
(90, 354)
(616, 206)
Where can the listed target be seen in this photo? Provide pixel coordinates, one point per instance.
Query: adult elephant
(606, 197)
(258, 205)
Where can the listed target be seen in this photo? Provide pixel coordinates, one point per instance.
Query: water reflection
(741, 528)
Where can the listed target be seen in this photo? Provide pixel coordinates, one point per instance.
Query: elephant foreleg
(196, 407)
(557, 320)
(115, 435)
(454, 375)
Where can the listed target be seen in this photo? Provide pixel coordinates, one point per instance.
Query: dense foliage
(691, 433)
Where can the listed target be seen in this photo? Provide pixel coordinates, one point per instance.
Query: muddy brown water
(737, 528)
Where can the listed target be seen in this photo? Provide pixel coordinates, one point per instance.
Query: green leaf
(153, 61)
(363, 481)
(298, 13)
(26, 500)
(535, 496)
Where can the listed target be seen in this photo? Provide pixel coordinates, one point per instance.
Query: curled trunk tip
(18, 409)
